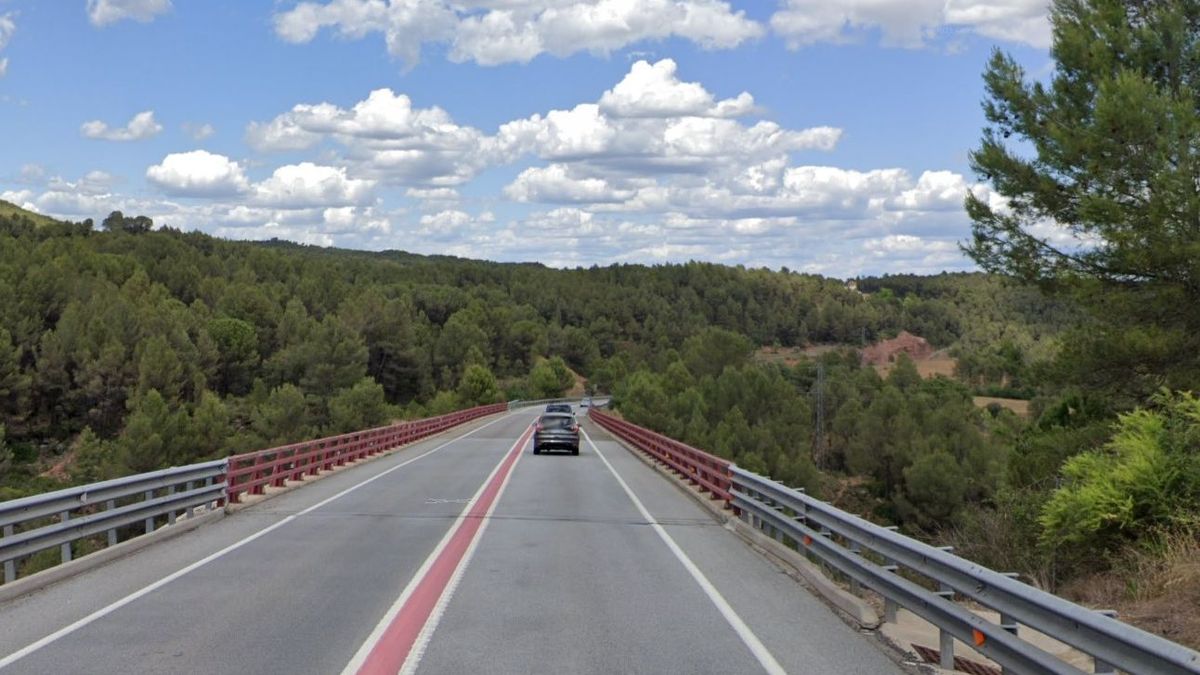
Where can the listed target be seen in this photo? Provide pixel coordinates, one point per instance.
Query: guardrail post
(149, 521)
(112, 534)
(855, 586)
(1099, 666)
(65, 549)
(945, 639)
(1008, 623)
(10, 566)
(890, 606)
(171, 513)
(946, 645)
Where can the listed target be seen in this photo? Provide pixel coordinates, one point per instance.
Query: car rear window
(558, 407)
(557, 422)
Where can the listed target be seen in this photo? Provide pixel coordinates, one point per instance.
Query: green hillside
(8, 210)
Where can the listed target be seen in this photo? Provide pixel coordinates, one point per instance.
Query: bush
(1146, 477)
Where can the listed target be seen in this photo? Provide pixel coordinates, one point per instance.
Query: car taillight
(538, 427)
(575, 428)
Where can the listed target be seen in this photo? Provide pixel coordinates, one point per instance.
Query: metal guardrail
(113, 508)
(42, 522)
(709, 472)
(872, 557)
(596, 401)
(252, 472)
(841, 540)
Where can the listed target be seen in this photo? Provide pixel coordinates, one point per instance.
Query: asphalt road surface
(464, 553)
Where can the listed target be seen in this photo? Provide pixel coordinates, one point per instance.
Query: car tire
(575, 450)
(537, 450)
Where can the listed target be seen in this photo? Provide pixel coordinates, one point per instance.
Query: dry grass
(1017, 405)
(9, 209)
(938, 363)
(1157, 590)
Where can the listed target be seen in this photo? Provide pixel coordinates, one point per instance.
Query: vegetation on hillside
(132, 348)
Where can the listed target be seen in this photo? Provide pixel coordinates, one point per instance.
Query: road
(464, 553)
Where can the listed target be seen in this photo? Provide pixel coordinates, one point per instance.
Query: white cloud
(506, 31)
(93, 183)
(309, 185)
(21, 198)
(32, 173)
(141, 126)
(634, 129)
(104, 12)
(911, 23)
(556, 184)
(198, 131)
(654, 91)
(656, 168)
(198, 174)
(433, 198)
(384, 136)
(7, 27)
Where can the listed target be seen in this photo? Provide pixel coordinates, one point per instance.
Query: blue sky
(821, 136)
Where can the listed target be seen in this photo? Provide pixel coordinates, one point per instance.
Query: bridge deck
(567, 576)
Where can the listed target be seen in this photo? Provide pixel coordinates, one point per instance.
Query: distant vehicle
(585, 403)
(556, 430)
(560, 408)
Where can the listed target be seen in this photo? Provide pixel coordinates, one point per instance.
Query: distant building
(887, 351)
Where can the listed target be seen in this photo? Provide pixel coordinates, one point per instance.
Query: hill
(8, 210)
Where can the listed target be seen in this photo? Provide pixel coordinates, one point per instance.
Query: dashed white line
(760, 651)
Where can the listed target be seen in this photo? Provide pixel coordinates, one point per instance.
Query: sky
(823, 136)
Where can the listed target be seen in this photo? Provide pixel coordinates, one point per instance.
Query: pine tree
(1097, 180)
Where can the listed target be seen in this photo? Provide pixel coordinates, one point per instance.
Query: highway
(464, 553)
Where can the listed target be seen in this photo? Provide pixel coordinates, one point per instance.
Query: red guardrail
(253, 471)
(709, 472)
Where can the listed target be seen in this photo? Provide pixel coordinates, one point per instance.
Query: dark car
(556, 430)
(560, 408)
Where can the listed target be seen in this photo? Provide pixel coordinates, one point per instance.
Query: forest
(125, 348)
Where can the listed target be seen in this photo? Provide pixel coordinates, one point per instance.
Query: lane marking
(760, 651)
(399, 639)
(109, 609)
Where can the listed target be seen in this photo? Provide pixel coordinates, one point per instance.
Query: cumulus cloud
(198, 131)
(634, 128)
(433, 198)
(656, 168)
(142, 126)
(911, 23)
(198, 174)
(652, 90)
(310, 185)
(557, 184)
(491, 33)
(384, 136)
(105, 12)
(8, 26)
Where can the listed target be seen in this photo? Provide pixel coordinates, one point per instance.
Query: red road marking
(389, 653)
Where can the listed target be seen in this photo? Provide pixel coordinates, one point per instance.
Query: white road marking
(109, 609)
(360, 657)
(760, 651)
(418, 648)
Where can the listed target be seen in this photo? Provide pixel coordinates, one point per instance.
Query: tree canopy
(1097, 185)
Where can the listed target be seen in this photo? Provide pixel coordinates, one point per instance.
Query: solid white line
(748, 637)
(418, 649)
(105, 611)
(360, 657)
